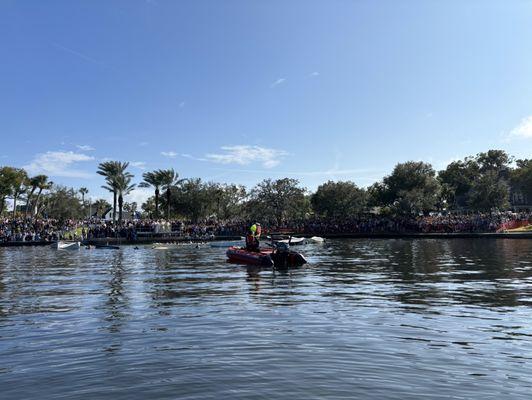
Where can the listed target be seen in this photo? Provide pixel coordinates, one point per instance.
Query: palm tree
(154, 180)
(169, 180)
(112, 171)
(83, 191)
(20, 177)
(100, 206)
(34, 183)
(43, 184)
(123, 187)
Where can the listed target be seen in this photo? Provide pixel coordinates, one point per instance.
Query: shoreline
(143, 241)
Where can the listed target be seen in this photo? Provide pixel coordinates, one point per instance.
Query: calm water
(368, 319)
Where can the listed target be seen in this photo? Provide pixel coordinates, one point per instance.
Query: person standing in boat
(252, 238)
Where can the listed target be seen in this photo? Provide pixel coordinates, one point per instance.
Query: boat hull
(242, 256)
(266, 258)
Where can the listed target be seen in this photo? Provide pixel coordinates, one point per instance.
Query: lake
(366, 319)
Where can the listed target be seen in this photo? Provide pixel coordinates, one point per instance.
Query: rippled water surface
(367, 319)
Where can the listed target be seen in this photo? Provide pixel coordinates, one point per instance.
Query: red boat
(243, 256)
(266, 257)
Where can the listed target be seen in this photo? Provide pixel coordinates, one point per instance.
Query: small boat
(279, 258)
(242, 256)
(66, 245)
(292, 241)
(317, 239)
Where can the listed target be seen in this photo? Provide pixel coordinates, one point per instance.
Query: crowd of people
(436, 223)
(14, 230)
(49, 230)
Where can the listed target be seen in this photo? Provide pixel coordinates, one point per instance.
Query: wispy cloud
(361, 176)
(143, 144)
(58, 163)
(245, 155)
(169, 154)
(138, 164)
(85, 147)
(182, 104)
(523, 130)
(277, 83)
(76, 53)
(192, 157)
(313, 74)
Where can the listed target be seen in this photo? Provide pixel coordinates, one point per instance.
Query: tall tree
(226, 200)
(155, 180)
(113, 171)
(43, 184)
(489, 192)
(277, 200)
(494, 160)
(191, 199)
(521, 178)
(34, 183)
(412, 188)
(83, 191)
(169, 180)
(7, 177)
(19, 179)
(62, 203)
(339, 199)
(123, 187)
(458, 178)
(101, 206)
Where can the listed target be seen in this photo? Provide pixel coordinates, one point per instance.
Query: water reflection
(116, 303)
(365, 319)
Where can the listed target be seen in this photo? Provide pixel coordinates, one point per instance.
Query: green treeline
(485, 182)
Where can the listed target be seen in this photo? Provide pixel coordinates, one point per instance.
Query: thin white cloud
(192, 157)
(169, 154)
(523, 130)
(182, 104)
(59, 163)
(138, 164)
(76, 53)
(277, 83)
(313, 74)
(324, 173)
(245, 155)
(142, 144)
(85, 147)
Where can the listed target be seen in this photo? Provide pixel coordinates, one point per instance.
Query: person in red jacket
(252, 238)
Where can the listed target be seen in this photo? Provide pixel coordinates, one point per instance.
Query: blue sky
(237, 91)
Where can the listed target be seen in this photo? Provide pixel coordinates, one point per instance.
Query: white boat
(291, 241)
(317, 239)
(66, 245)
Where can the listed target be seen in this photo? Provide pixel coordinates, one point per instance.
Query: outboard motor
(281, 256)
